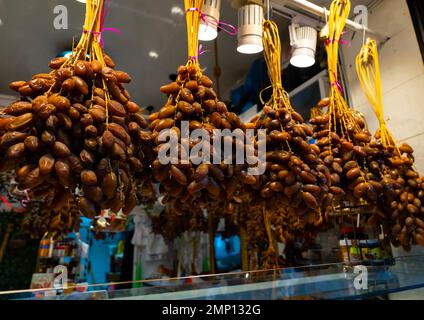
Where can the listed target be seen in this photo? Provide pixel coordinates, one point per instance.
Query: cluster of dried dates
(187, 183)
(400, 209)
(345, 150)
(76, 129)
(380, 176)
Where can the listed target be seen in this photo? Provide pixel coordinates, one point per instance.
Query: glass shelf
(317, 282)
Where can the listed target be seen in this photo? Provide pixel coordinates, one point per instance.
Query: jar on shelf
(44, 248)
(350, 244)
(371, 250)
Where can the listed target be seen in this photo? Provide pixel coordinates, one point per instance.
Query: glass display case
(317, 282)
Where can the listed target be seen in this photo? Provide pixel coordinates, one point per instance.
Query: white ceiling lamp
(154, 55)
(176, 10)
(303, 40)
(82, 1)
(208, 29)
(250, 18)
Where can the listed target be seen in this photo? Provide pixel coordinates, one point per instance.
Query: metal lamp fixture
(208, 29)
(250, 18)
(304, 42)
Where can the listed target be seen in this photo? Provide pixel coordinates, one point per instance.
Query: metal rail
(323, 12)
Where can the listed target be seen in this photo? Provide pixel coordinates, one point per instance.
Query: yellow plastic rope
(340, 115)
(315, 112)
(89, 42)
(368, 69)
(193, 12)
(272, 55)
(89, 48)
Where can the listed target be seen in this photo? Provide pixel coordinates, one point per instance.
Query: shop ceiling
(151, 46)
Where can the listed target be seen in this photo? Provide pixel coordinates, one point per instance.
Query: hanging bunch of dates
(295, 185)
(294, 182)
(195, 175)
(193, 103)
(58, 133)
(401, 210)
(61, 217)
(77, 129)
(295, 177)
(171, 224)
(340, 133)
(346, 149)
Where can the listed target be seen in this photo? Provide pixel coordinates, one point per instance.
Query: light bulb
(208, 29)
(154, 55)
(249, 36)
(303, 58)
(250, 48)
(304, 43)
(176, 10)
(207, 32)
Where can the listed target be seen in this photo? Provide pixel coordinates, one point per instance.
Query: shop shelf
(316, 282)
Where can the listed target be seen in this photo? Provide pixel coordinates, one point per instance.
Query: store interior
(160, 235)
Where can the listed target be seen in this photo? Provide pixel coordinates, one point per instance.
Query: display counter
(318, 282)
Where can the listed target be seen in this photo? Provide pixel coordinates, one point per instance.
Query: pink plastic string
(341, 41)
(102, 23)
(199, 52)
(337, 84)
(103, 17)
(226, 27)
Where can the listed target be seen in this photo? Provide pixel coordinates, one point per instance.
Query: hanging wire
(364, 34)
(325, 14)
(268, 10)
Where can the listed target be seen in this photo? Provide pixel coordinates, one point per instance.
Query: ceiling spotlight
(82, 1)
(208, 30)
(154, 55)
(304, 42)
(250, 18)
(176, 10)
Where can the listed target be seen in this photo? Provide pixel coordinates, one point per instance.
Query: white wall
(402, 73)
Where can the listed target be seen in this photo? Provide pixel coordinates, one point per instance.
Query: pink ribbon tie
(199, 53)
(104, 14)
(338, 86)
(102, 23)
(226, 27)
(340, 41)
